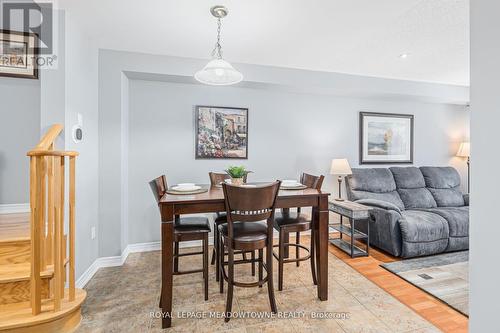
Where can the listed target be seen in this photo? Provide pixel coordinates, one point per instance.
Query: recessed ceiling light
(403, 55)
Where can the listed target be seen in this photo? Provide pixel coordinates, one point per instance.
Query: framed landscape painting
(221, 132)
(17, 54)
(385, 138)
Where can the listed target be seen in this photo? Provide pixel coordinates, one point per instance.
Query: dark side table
(354, 213)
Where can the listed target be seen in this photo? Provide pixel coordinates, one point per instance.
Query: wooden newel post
(36, 203)
(72, 191)
(58, 219)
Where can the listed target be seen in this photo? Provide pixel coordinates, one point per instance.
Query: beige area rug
(444, 276)
(125, 299)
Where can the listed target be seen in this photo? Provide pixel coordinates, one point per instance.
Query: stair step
(14, 227)
(20, 272)
(18, 318)
(15, 251)
(15, 241)
(15, 282)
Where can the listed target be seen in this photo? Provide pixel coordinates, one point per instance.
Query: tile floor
(123, 299)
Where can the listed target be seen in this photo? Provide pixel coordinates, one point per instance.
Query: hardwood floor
(427, 306)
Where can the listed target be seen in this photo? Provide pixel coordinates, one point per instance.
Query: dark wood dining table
(212, 201)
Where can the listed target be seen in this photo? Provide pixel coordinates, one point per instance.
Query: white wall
(19, 132)
(288, 133)
(485, 111)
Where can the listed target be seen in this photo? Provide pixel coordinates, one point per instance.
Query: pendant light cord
(217, 52)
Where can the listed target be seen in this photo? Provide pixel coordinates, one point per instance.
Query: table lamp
(464, 151)
(340, 167)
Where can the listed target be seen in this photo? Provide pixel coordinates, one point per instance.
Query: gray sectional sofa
(416, 211)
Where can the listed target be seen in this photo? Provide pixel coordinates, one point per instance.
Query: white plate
(186, 188)
(291, 185)
(186, 184)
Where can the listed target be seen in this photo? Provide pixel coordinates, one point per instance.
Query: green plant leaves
(236, 171)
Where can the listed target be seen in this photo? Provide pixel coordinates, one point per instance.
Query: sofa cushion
(419, 226)
(408, 177)
(410, 185)
(457, 218)
(373, 183)
(448, 197)
(441, 177)
(417, 198)
(377, 180)
(444, 185)
(391, 197)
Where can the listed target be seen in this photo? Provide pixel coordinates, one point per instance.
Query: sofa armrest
(466, 199)
(385, 232)
(379, 204)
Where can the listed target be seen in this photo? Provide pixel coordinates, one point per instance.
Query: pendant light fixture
(218, 72)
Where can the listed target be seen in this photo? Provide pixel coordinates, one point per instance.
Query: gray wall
(19, 132)
(275, 86)
(288, 133)
(81, 98)
(485, 112)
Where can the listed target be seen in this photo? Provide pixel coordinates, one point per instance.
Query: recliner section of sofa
(444, 184)
(423, 233)
(410, 215)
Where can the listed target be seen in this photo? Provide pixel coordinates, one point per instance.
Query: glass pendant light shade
(218, 72)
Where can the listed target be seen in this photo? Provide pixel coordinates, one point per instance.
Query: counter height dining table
(212, 201)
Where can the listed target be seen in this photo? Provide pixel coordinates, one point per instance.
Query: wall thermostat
(77, 130)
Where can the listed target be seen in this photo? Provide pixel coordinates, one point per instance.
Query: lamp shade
(218, 72)
(340, 167)
(464, 150)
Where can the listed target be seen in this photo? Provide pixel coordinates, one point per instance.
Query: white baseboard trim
(14, 208)
(118, 260)
(131, 248)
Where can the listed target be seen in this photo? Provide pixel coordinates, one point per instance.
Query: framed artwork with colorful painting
(221, 132)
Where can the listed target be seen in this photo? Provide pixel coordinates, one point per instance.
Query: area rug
(444, 276)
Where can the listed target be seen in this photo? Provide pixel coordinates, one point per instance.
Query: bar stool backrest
(312, 181)
(217, 178)
(250, 204)
(159, 187)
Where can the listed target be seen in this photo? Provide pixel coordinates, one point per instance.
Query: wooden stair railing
(49, 245)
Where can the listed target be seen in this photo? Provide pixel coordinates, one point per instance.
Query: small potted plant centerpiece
(237, 174)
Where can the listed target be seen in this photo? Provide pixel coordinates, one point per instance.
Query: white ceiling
(362, 37)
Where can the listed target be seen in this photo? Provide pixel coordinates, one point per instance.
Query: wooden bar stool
(287, 222)
(186, 229)
(246, 209)
(216, 179)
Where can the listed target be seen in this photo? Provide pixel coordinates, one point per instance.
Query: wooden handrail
(49, 138)
(49, 246)
(52, 153)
